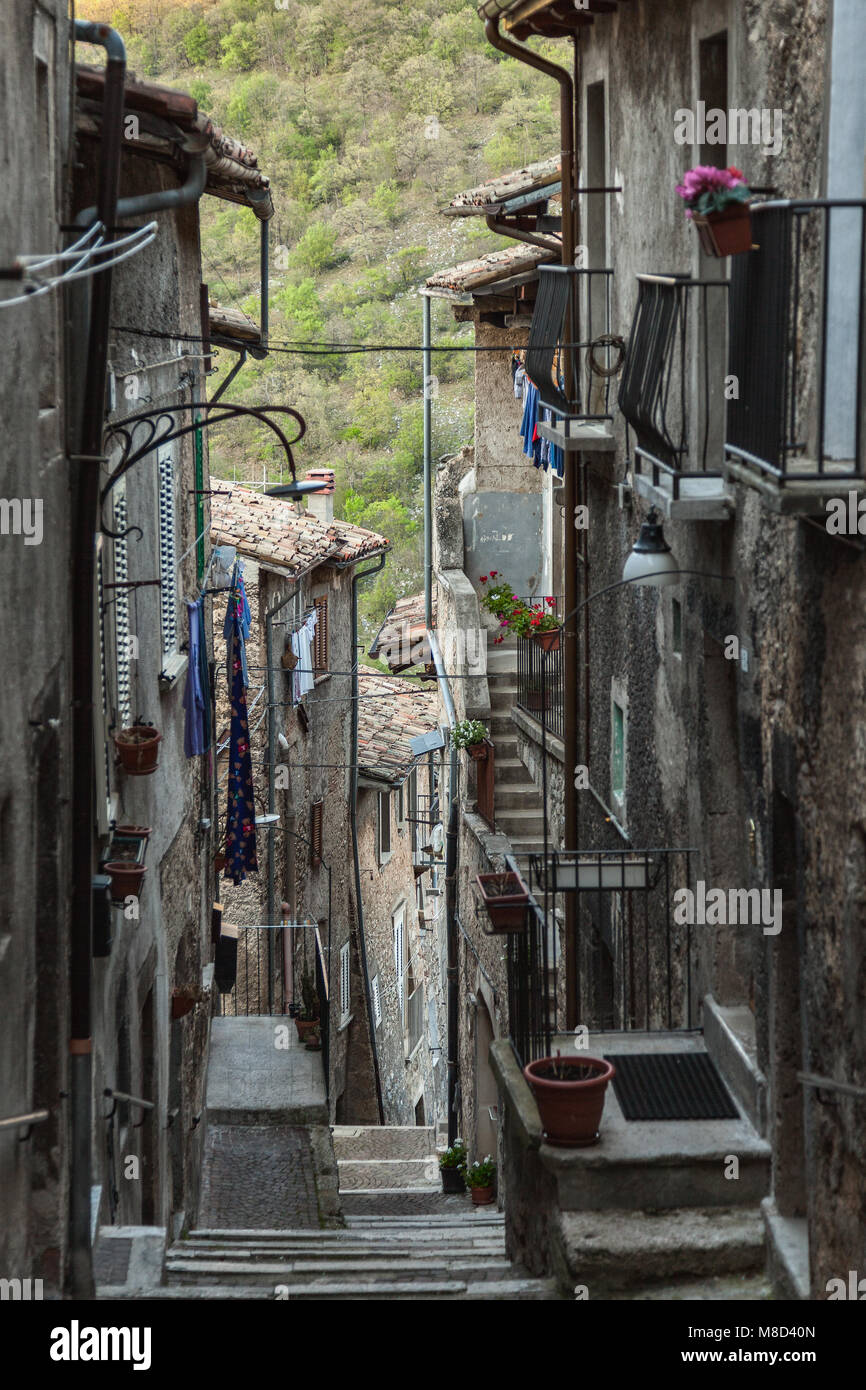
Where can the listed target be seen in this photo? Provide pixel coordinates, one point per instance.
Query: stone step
(621, 1249)
(438, 1269)
(513, 1290)
(419, 1205)
(511, 770)
(412, 1173)
(383, 1141)
(516, 797)
(352, 1248)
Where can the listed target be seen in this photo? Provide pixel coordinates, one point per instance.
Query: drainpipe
(534, 239)
(163, 200)
(450, 889)
(87, 464)
(428, 471)
(353, 816)
(272, 785)
(569, 587)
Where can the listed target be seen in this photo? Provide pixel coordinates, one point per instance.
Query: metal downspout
(569, 586)
(353, 816)
(502, 228)
(428, 471)
(79, 1271)
(164, 200)
(453, 998)
(272, 789)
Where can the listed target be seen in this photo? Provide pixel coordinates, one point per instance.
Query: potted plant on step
(480, 1178)
(569, 1093)
(307, 1019)
(538, 621)
(506, 898)
(471, 734)
(138, 748)
(717, 201)
(451, 1165)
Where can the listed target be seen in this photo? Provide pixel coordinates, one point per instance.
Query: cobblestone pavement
(397, 1203)
(258, 1177)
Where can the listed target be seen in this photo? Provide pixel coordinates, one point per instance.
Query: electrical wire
(303, 347)
(135, 242)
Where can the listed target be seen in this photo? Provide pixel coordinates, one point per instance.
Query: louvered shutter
(399, 961)
(316, 811)
(167, 556)
(320, 646)
(122, 632)
(345, 997)
(101, 704)
(377, 1000)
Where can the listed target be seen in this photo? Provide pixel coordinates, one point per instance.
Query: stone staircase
(403, 1240)
(518, 804)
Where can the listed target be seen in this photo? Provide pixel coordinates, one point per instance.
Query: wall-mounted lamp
(651, 561)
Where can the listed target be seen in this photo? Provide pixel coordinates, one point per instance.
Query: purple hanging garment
(241, 819)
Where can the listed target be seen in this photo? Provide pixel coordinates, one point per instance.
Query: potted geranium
(717, 201)
(506, 898)
(471, 735)
(569, 1092)
(480, 1177)
(451, 1165)
(138, 748)
(538, 622)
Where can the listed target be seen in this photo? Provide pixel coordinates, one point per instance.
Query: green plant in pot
(451, 1165)
(570, 1092)
(481, 1179)
(471, 735)
(538, 621)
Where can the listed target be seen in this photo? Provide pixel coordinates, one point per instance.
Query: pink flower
(499, 639)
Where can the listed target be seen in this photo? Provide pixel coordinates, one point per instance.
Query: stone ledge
(787, 1251)
(532, 729)
(729, 1034)
(518, 1095)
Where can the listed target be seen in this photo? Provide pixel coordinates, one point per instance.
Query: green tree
(240, 47)
(316, 249)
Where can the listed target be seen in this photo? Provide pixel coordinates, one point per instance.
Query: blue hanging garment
(240, 838)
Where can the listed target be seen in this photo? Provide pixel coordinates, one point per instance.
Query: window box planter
(138, 749)
(548, 641)
(570, 1093)
(726, 233)
(506, 898)
(126, 879)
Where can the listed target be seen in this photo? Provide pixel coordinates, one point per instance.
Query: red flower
(493, 573)
(737, 173)
(497, 640)
(484, 579)
(551, 602)
(533, 622)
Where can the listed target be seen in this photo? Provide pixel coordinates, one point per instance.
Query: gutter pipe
(353, 816)
(450, 890)
(570, 626)
(272, 791)
(79, 1272)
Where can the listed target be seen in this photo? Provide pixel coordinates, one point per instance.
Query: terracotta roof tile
(391, 712)
(270, 530)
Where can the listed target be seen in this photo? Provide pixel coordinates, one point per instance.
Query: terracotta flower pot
(506, 910)
(570, 1109)
(478, 751)
(452, 1180)
(181, 1005)
(126, 879)
(140, 832)
(483, 1196)
(726, 233)
(548, 641)
(305, 1027)
(138, 749)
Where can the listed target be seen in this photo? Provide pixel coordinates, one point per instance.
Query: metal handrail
(31, 1118)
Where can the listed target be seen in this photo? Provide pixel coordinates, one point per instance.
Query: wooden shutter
(122, 630)
(399, 960)
(320, 641)
(316, 833)
(167, 556)
(377, 1000)
(345, 983)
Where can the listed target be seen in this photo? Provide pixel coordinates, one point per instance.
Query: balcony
(581, 405)
(672, 395)
(794, 431)
(539, 683)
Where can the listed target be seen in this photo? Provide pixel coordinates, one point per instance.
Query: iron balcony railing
(797, 341)
(634, 965)
(671, 395)
(569, 295)
(539, 684)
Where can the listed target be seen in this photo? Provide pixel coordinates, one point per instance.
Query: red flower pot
(126, 879)
(478, 751)
(138, 749)
(726, 233)
(482, 1196)
(570, 1108)
(506, 910)
(139, 832)
(548, 641)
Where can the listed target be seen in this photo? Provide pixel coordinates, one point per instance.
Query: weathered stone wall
(35, 676)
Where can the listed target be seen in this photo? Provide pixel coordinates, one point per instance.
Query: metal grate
(670, 1086)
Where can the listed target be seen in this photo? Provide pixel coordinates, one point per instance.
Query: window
(676, 627)
(399, 925)
(316, 812)
(167, 558)
(617, 754)
(377, 1000)
(713, 77)
(320, 641)
(384, 826)
(345, 984)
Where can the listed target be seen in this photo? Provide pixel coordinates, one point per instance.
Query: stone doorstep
(620, 1249)
(729, 1034)
(787, 1251)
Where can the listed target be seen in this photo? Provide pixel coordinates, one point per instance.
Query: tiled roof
(404, 625)
(490, 197)
(271, 531)
(396, 712)
(518, 259)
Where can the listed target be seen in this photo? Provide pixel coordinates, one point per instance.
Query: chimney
(321, 504)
